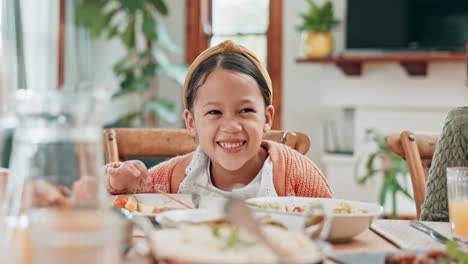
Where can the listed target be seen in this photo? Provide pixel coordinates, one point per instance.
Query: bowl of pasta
(344, 219)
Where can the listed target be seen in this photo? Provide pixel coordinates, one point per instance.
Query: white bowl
(342, 226)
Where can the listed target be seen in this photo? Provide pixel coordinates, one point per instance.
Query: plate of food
(155, 203)
(347, 218)
(228, 244)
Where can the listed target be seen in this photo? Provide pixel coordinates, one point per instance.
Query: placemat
(404, 236)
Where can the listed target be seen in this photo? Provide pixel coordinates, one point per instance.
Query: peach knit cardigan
(293, 174)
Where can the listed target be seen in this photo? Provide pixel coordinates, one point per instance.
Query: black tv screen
(439, 25)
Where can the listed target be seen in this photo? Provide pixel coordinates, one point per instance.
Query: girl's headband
(225, 46)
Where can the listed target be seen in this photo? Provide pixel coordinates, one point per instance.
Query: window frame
(199, 33)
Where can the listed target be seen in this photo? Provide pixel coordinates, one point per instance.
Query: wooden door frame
(61, 45)
(198, 19)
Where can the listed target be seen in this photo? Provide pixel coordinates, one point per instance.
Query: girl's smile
(232, 146)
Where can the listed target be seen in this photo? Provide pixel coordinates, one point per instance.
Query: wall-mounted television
(403, 25)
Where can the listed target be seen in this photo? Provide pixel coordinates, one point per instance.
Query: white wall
(383, 97)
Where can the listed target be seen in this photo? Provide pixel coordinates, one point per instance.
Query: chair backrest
(121, 143)
(417, 148)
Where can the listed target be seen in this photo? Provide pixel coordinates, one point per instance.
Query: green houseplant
(383, 161)
(135, 24)
(317, 23)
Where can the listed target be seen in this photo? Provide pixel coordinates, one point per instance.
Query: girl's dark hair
(229, 61)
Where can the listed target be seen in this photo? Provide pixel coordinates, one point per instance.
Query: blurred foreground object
(56, 161)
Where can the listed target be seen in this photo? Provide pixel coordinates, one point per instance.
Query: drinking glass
(56, 161)
(457, 190)
(75, 236)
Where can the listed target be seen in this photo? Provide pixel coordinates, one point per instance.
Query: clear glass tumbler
(56, 161)
(75, 236)
(457, 190)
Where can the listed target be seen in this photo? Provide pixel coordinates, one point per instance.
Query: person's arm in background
(451, 151)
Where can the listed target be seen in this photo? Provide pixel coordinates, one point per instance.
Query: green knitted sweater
(451, 151)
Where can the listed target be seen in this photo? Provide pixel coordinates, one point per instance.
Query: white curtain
(77, 48)
(40, 24)
(29, 47)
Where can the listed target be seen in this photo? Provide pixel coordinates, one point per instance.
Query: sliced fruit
(132, 204)
(120, 201)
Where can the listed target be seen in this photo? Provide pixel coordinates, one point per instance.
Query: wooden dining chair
(122, 143)
(417, 148)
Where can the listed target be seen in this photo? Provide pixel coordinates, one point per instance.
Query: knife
(431, 232)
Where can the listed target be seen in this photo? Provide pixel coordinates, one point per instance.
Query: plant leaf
(133, 5)
(149, 69)
(101, 22)
(128, 37)
(87, 12)
(318, 18)
(383, 192)
(394, 203)
(163, 108)
(112, 32)
(160, 6)
(149, 27)
(126, 120)
(130, 84)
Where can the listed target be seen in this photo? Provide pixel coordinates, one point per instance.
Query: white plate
(160, 200)
(196, 216)
(342, 226)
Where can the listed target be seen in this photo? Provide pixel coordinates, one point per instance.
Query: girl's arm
(451, 151)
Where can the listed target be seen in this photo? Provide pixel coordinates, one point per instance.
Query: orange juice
(458, 210)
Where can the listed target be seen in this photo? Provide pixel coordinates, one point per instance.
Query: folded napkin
(400, 233)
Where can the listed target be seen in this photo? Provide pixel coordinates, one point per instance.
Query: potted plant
(318, 22)
(135, 23)
(382, 161)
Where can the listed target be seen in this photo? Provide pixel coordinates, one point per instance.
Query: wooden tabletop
(366, 241)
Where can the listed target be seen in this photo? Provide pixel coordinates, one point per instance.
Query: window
(243, 21)
(255, 24)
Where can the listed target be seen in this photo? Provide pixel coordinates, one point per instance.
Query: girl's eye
(214, 112)
(247, 110)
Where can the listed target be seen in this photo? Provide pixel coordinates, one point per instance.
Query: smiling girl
(227, 100)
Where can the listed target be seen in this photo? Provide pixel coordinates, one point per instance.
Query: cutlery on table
(431, 232)
(173, 198)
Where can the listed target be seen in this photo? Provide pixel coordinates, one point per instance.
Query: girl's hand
(129, 175)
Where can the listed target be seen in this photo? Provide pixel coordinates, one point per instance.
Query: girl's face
(229, 118)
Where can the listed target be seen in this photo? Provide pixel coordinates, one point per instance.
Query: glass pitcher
(56, 162)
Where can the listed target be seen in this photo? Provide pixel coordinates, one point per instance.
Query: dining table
(384, 237)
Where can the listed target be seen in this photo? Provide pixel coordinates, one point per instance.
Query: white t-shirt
(198, 171)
